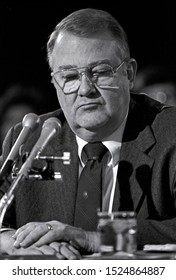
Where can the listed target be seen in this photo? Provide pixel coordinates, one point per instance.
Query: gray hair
(86, 22)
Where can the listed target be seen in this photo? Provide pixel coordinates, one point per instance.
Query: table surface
(139, 255)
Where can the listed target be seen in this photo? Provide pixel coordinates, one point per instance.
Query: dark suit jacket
(145, 181)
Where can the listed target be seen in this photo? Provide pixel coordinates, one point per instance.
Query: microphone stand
(9, 195)
(7, 198)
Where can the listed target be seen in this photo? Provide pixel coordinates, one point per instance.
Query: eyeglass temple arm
(108, 87)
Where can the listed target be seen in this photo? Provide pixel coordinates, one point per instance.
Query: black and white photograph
(88, 136)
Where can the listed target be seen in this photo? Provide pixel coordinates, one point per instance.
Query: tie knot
(95, 150)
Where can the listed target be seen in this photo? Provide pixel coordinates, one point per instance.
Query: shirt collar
(113, 143)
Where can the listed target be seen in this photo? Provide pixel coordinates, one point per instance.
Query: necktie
(89, 194)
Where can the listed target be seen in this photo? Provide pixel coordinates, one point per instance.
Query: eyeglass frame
(113, 69)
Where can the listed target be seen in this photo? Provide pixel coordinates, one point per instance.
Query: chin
(92, 122)
(92, 126)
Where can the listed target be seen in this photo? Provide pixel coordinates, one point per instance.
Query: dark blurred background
(26, 25)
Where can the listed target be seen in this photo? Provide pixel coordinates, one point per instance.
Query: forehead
(79, 51)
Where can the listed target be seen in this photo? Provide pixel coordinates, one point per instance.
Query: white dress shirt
(110, 168)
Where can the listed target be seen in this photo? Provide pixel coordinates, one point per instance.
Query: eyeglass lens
(70, 80)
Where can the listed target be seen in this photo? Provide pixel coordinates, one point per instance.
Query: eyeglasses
(102, 75)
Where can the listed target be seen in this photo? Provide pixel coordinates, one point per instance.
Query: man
(93, 74)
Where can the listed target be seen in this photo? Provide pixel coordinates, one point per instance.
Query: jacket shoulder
(151, 106)
(160, 116)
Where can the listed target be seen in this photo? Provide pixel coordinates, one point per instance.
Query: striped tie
(89, 194)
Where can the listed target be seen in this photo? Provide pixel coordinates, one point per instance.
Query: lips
(90, 104)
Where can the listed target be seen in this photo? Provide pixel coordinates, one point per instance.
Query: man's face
(92, 113)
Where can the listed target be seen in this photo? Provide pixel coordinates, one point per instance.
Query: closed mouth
(91, 104)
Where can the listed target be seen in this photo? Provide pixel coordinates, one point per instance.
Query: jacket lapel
(134, 171)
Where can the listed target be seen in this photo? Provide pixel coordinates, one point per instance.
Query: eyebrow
(69, 66)
(65, 67)
(102, 61)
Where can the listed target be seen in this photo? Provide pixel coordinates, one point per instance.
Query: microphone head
(31, 121)
(53, 124)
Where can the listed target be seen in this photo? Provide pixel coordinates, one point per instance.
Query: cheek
(66, 102)
(117, 101)
(119, 97)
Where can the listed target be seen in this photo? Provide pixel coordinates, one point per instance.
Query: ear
(131, 71)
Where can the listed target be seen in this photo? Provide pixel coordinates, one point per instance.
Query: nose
(86, 86)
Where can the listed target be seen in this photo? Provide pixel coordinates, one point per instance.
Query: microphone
(49, 129)
(30, 122)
